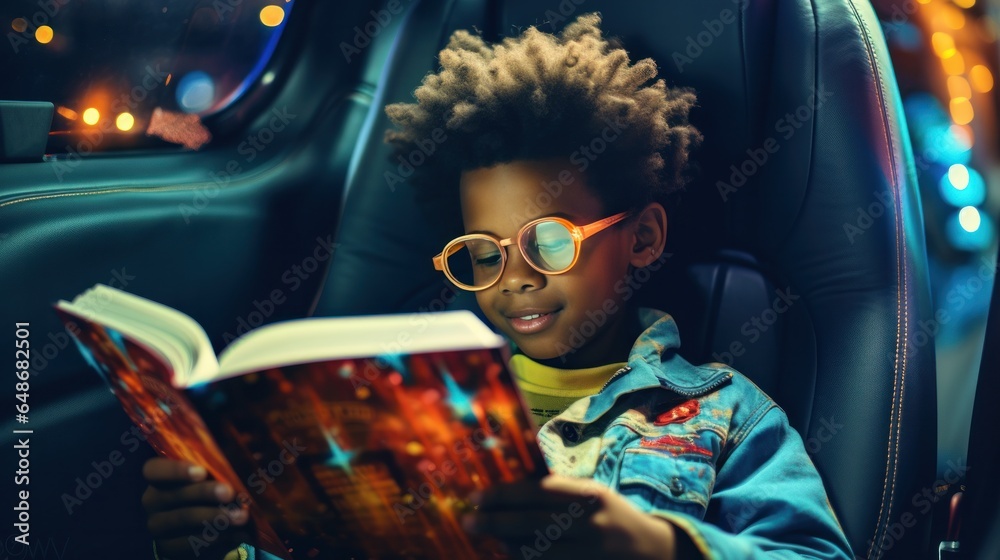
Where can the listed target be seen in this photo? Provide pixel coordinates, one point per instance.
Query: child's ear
(649, 235)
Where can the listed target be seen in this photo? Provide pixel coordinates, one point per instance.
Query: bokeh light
(958, 86)
(961, 110)
(970, 230)
(91, 116)
(68, 113)
(125, 122)
(982, 78)
(969, 218)
(962, 186)
(44, 34)
(953, 65)
(272, 16)
(964, 3)
(943, 44)
(953, 18)
(958, 174)
(19, 25)
(195, 92)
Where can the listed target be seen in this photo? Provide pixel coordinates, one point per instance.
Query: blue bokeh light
(962, 186)
(195, 92)
(961, 238)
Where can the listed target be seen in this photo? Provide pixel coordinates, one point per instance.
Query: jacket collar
(653, 362)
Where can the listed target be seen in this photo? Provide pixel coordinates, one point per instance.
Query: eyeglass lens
(547, 245)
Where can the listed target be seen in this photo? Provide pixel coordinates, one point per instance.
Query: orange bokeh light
(125, 122)
(944, 44)
(91, 116)
(982, 78)
(272, 16)
(959, 87)
(961, 110)
(954, 64)
(44, 34)
(68, 113)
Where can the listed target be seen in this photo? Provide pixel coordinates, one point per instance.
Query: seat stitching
(902, 313)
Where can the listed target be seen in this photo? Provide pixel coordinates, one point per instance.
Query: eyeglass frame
(578, 234)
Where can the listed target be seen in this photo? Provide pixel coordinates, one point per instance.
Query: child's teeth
(530, 317)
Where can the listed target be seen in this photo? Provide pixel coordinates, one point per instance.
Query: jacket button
(570, 433)
(676, 486)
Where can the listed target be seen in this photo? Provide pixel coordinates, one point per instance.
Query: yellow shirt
(548, 391)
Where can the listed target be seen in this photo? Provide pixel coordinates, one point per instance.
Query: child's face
(498, 201)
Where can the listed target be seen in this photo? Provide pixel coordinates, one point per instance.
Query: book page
(317, 339)
(175, 335)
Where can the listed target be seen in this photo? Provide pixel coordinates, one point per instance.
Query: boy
(654, 457)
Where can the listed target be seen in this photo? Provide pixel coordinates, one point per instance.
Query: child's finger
(575, 488)
(547, 493)
(209, 493)
(191, 521)
(515, 525)
(159, 470)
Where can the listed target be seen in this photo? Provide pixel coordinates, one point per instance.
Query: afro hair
(573, 96)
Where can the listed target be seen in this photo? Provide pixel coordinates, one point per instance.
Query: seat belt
(974, 512)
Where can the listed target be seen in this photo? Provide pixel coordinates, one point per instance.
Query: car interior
(806, 202)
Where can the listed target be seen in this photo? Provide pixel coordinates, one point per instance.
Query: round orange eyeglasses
(550, 245)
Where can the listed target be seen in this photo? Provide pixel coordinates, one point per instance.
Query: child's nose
(519, 276)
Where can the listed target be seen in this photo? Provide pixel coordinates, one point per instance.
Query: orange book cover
(369, 457)
(142, 381)
(374, 457)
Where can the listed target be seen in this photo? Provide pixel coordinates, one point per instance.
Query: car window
(112, 68)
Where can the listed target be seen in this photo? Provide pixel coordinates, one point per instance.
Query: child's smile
(543, 313)
(530, 321)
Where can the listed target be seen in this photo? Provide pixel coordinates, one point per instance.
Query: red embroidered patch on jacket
(678, 414)
(675, 445)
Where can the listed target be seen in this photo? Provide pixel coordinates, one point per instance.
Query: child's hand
(562, 517)
(185, 510)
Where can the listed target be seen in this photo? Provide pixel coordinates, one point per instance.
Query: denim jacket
(700, 446)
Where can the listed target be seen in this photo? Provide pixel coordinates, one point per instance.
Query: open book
(356, 437)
